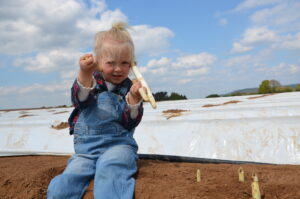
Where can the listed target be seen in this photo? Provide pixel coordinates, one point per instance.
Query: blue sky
(192, 47)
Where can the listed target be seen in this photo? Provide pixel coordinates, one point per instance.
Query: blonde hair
(117, 34)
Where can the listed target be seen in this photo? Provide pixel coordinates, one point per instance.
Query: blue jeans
(112, 171)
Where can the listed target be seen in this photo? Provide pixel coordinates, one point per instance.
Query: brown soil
(264, 95)
(29, 176)
(35, 108)
(60, 112)
(173, 113)
(60, 126)
(225, 103)
(231, 102)
(25, 115)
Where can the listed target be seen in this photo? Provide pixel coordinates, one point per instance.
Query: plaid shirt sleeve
(74, 97)
(78, 105)
(130, 123)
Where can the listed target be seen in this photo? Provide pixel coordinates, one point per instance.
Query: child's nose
(118, 67)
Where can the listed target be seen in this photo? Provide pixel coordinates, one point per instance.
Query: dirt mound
(225, 103)
(173, 113)
(29, 176)
(60, 126)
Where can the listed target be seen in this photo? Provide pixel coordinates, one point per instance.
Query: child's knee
(54, 189)
(122, 156)
(67, 186)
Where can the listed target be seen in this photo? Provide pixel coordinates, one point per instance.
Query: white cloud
(70, 24)
(7, 90)
(159, 71)
(238, 60)
(254, 36)
(56, 60)
(2, 64)
(276, 25)
(252, 60)
(184, 81)
(57, 31)
(198, 71)
(248, 4)
(183, 66)
(239, 48)
(284, 14)
(36, 95)
(89, 25)
(68, 74)
(36, 87)
(150, 40)
(280, 69)
(97, 6)
(38, 25)
(294, 69)
(258, 35)
(195, 60)
(162, 62)
(290, 42)
(223, 21)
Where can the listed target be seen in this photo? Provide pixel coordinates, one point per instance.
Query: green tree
(274, 84)
(212, 95)
(237, 94)
(264, 87)
(161, 96)
(297, 87)
(283, 89)
(176, 96)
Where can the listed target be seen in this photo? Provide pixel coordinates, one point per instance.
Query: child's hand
(87, 65)
(134, 96)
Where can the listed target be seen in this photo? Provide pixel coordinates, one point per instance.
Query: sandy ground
(28, 177)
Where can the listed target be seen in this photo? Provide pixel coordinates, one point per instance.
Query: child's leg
(73, 182)
(115, 169)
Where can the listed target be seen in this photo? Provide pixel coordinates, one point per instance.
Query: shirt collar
(120, 89)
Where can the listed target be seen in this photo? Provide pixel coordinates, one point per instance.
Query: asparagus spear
(147, 96)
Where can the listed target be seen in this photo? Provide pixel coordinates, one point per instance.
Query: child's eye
(125, 63)
(111, 63)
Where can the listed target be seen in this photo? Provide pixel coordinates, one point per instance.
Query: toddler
(108, 107)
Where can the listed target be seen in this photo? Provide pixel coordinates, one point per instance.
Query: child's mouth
(117, 76)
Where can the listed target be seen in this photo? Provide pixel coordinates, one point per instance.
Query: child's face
(115, 63)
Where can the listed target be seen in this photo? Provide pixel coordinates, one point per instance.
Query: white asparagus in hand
(147, 96)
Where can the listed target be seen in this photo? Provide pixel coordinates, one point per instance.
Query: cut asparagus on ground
(255, 188)
(241, 175)
(198, 175)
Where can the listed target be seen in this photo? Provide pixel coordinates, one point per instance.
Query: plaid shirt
(127, 121)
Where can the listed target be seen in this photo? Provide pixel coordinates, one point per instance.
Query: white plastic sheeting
(30, 132)
(245, 128)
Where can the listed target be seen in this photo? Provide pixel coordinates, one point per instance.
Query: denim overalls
(104, 150)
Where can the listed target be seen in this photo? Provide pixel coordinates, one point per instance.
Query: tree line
(163, 96)
(274, 86)
(266, 86)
